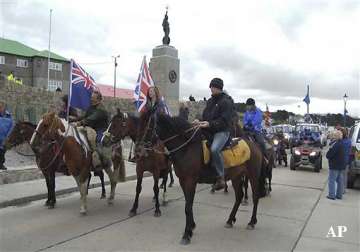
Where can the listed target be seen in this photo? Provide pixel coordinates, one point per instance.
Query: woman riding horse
(148, 157)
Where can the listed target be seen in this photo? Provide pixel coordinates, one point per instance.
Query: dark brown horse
(56, 135)
(184, 142)
(22, 133)
(148, 158)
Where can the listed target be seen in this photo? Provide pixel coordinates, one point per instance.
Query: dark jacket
(96, 117)
(218, 112)
(336, 156)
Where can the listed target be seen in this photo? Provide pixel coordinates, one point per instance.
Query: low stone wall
(29, 103)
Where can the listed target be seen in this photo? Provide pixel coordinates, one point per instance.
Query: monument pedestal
(165, 70)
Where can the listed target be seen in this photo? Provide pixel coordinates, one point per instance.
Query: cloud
(276, 80)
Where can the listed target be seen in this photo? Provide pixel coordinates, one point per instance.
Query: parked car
(354, 169)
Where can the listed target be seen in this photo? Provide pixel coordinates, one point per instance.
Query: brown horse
(53, 133)
(151, 159)
(184, 142)
(22, 133)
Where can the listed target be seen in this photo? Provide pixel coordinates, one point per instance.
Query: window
(2, 59)
(22, 63)
(54, 84)
(55, 66)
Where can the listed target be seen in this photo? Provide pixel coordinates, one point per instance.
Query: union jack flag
(143, 83)
(82, 85)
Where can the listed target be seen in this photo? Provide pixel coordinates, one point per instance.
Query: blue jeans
(336, 181)
(217, 145)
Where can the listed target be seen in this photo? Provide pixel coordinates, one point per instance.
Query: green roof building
(31, 66)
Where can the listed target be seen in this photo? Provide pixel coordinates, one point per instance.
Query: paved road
(296, 217)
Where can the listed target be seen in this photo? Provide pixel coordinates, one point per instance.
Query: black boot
(220, 183)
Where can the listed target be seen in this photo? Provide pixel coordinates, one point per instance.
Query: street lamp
(345, 99)
(115, 65)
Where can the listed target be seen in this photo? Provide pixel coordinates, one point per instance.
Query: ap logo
(340, 231)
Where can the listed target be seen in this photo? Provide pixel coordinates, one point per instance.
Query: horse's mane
(175, 124)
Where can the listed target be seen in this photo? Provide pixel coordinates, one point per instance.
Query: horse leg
(156, 194)
(255, 193)
(164, 201)
(226, 188)
(113, 175)
(171, 177)
(188, 188)
(52, 201)
(138, 191)
(46, 176)
(237, 185)
(103, 191)
(246, 185)
(87, 188)
(82, 188)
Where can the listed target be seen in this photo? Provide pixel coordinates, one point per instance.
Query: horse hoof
(47, 203)
(157, 214)
(103, 196)
(132, 213)
(250, 227)
(185, 241)
(51, 206)
(228, 225)
(83, 211)
(110, 202)
(226, 192)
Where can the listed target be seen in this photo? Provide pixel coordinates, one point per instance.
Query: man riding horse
(217, 117)
(94, 123)
(252, 123)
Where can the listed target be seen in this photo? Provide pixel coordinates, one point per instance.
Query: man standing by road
(6, 124)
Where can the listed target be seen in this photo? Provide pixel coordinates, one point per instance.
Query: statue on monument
(166, 28)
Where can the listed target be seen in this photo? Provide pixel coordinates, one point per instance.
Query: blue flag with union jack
(81, 87)
(307, 97)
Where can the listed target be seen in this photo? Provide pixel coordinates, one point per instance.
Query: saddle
(234, 154)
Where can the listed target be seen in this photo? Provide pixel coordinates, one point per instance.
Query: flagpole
(70, 93)
(48, 73)
(141, 69)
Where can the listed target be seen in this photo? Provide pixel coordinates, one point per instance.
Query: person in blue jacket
(337, 163)
(347, 145)
(6, 124)
(253, 123)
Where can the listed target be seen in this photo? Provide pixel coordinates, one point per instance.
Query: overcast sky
(268, 50)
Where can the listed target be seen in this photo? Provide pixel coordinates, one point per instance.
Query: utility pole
(48, 74)
(115, 65)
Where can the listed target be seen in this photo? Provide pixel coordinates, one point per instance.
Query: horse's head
(20, 134)
(47, 129)
(121, 125)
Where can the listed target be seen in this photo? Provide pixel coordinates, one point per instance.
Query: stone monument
(165, 69)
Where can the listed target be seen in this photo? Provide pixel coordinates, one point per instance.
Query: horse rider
(216, 123)
(73, 115)
(6, 125)
(252, 122)
(94, 123)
